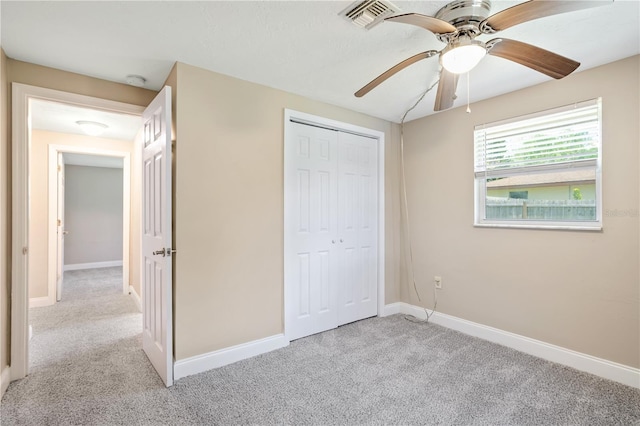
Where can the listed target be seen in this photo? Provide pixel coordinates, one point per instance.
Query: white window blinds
(561, 138)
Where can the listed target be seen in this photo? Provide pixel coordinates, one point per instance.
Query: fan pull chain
(468, 100)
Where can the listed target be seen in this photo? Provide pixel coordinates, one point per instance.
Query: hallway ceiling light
(92, 128)
(136, 80)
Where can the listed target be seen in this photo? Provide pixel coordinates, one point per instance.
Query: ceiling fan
(461, 21)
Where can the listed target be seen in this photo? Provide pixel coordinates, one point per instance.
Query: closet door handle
(333, 241)
(341, 240)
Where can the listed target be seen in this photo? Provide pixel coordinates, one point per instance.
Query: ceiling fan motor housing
(465, 15)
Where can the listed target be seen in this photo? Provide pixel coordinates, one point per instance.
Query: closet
(331, 229)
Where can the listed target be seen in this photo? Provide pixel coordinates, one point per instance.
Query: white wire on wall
(406, 213)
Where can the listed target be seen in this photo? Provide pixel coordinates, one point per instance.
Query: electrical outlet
(437, 281)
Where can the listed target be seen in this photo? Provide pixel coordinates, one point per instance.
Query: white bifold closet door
(331, 247)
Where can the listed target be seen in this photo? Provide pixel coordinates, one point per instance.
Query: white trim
(20, 146)
(39, 302)
(126, 219)
(381, 224)
(95, 265)
(532, 225)
(136, 297)
(200, 363)
(314, 120)
(20, 232)
(392, 309)
(610, 370)
(5, 379)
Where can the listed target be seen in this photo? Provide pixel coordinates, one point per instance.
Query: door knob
(65, 232)
(333, 241)
(341, 240)
(164, 252)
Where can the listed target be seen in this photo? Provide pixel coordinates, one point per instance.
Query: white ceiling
(59, 117)
(302, 47)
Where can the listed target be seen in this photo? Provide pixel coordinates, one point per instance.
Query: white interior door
(331, 224)
(157, 338)
(357, 228)
(312, 178)
(60, 231)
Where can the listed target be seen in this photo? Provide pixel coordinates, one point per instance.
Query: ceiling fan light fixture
(462, 56)
(92, 128)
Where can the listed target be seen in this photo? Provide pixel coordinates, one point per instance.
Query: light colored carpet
(88, 368)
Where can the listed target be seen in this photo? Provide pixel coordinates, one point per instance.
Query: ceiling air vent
(366, 14)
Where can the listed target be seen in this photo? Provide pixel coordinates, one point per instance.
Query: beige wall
(39, 186)
(229, 208)
(5, 277)
(578, 290)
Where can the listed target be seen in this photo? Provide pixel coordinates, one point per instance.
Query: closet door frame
(291, 116)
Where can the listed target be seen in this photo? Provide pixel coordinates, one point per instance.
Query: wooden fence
(570, 210)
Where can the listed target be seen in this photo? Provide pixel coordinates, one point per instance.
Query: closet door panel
(312, 261)
(357, 227)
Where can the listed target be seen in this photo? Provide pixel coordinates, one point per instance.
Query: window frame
(480, 188)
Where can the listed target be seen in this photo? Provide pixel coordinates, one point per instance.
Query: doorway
(95, 218)
(23, 96)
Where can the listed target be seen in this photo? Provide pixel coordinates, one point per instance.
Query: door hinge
(59, 168)
(25, 250)
(59, 222)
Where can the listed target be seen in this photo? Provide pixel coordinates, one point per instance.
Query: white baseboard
(620, 373)
(5, 379)
(93, 265)
(392, 309)
(136, 297)
(222, 357)
(39, 302)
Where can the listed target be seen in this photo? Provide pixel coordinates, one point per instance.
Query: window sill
(595, 227)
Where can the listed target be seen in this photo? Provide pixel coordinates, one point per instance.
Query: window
(541, 170)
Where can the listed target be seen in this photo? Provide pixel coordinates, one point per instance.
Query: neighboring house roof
(546, 179)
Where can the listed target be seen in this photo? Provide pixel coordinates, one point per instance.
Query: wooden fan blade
(446, 90)
(536, 58)
(533, 9)
(393, 70)
(437, 26)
